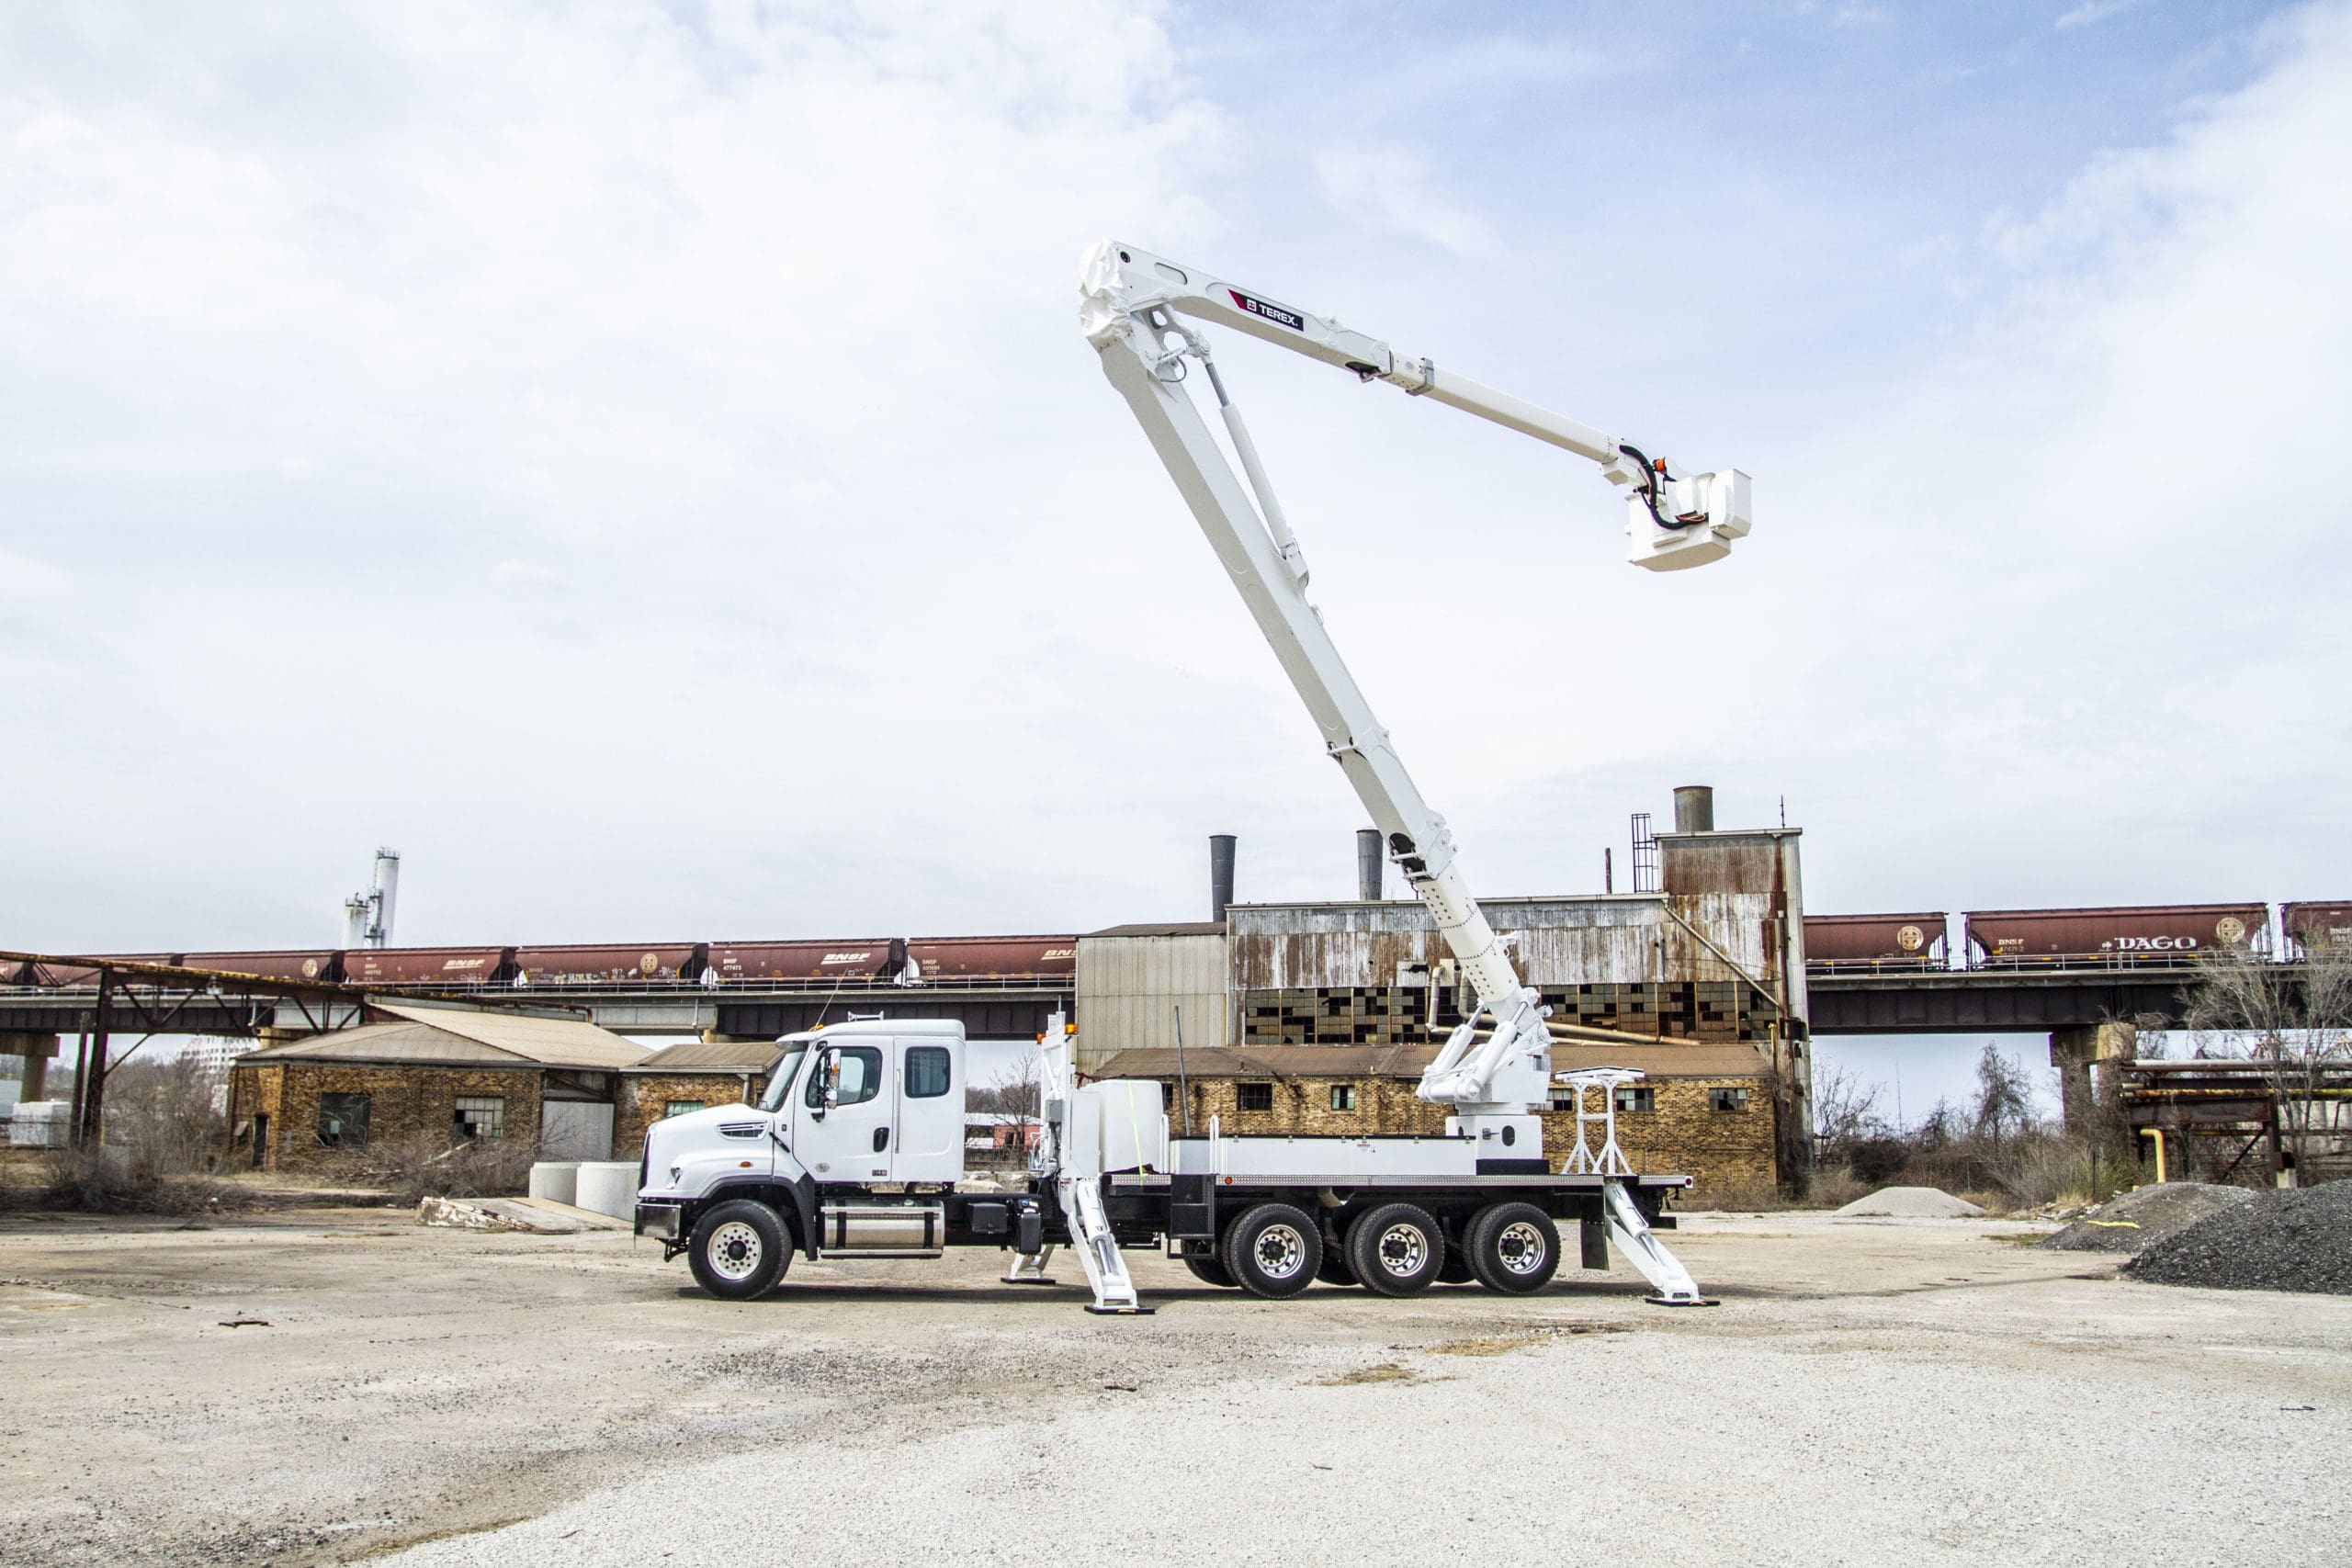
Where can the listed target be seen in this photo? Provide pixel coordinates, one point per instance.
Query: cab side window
(860, 1068)
(927, 1071)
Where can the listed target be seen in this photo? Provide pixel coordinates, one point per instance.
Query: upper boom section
(1674, 520)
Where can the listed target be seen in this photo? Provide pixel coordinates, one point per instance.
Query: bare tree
(2004, 1096)
(1018, 1097)
(2295, 1020)
(1845, 1109)
(162, 1115)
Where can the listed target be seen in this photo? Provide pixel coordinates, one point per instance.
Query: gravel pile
(2130, 1221)
(2293, 1240)
(1910, 1203)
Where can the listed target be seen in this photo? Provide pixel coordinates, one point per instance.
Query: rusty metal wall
(1129, 986)
(1639, 939)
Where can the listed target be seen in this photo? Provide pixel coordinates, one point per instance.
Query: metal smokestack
(1694, 808)
(387, 889)
(1368, 858)
(1220, 874)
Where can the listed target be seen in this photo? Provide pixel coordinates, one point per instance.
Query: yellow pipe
(2158, 1135)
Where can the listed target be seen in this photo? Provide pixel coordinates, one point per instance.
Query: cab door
(847, 1112)
(929, 1141)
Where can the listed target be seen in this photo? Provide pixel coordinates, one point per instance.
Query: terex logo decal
(1274, 313)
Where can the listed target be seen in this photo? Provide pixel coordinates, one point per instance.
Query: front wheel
(739, 1250)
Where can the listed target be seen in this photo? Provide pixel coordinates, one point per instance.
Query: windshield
(786, 1071)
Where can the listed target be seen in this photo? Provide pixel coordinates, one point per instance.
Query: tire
(1514, 1249)
(1456, 1269)
(1397, 1249)
(1274, 1250)
(1334, 1269)
(740, 1251)
(1209, 1271)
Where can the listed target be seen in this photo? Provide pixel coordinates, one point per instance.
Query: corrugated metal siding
(1561, 942)
(1129, 986)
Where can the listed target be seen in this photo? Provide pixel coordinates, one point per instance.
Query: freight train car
(311, 964)
(632, 963)
(964, 960)
(468, 968)
(2151, 935)
(843, 960)
(2313, 927)
(1837, 943)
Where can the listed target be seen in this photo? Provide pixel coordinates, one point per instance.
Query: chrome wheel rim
(1403, 1251)
(1520, 1247)
(734, 1251)
(1279, 1251)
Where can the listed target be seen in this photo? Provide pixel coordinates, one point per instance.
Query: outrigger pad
(1029, 1279)
(1120, 1312)
(1693, 1301)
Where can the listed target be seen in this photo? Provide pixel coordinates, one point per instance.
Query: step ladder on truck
(847, 1155)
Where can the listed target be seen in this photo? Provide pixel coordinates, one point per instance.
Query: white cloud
(1391, 190)
(2092, 12)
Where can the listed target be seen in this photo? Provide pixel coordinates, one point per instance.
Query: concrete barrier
(558, 1181)
(607, 1188)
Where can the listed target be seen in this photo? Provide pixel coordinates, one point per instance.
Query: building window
(1564, 1099)
(480, 1116)
(680, 1107)
(1637, 1097)
(1253, 1097)
(342, 1120)
(1727, 1100)
(927, 1071)
(1343, 1096)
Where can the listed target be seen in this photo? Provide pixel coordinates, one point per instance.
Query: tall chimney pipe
(1694, 808)
(1220, 874)
(1368, 858)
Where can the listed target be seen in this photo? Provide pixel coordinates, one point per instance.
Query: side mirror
(828, 1072)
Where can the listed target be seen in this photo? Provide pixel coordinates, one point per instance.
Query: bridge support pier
(2073, 1052)
(38, 1050)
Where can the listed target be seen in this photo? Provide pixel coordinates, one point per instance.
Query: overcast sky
(641, 463)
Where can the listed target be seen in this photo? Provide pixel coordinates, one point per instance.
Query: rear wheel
(739, 1250)
(1456, 1269)
(1335, 1270)
(1397, 1249)
(1209, 1271)
(1274, 1250)
(1514, 1249)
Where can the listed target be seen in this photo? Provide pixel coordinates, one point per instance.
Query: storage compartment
(881, 1230)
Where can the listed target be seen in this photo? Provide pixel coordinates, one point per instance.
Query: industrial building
(1314, 1017)
(312, 1103)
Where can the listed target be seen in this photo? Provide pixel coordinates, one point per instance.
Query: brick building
(437, 1071)
(1704, 1111)
(693, 1075)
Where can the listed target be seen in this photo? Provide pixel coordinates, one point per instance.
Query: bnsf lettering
(1061, 952)
(463, 963)
(843, 958)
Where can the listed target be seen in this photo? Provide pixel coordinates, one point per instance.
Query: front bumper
(661, 1220)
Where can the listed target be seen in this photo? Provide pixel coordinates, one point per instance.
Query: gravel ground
(2292, 1240)
(2130, 1220)
(1866, 1391)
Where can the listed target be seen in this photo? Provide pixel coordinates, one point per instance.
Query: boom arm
(1129, 304)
